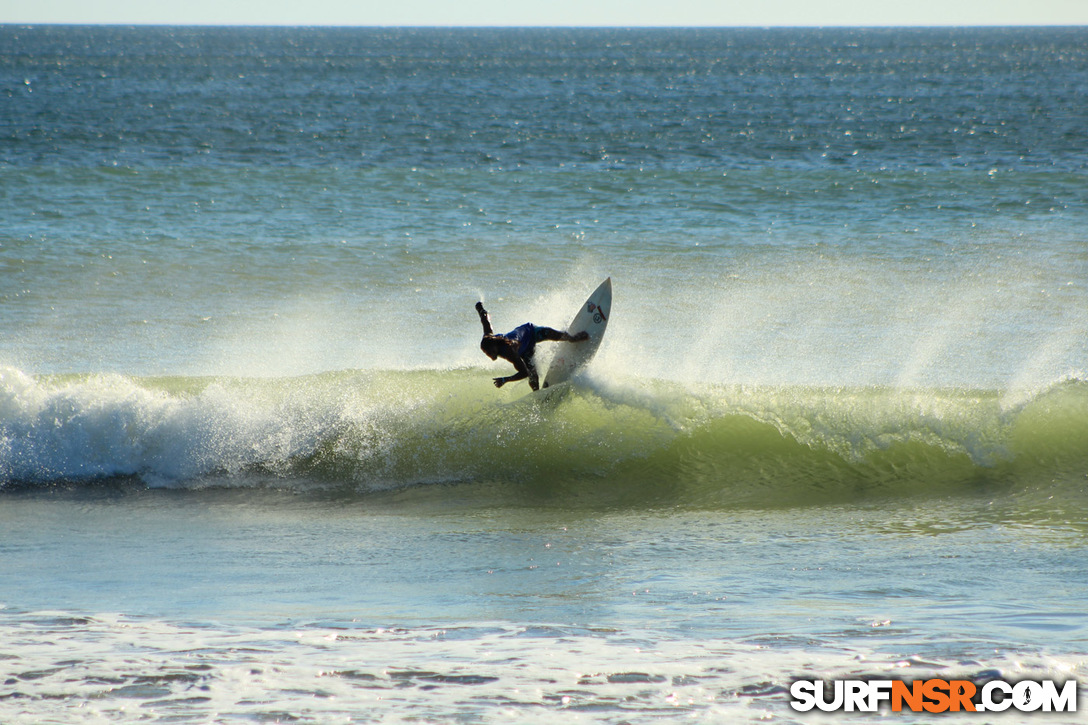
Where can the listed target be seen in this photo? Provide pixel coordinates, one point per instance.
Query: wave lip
(632, 438)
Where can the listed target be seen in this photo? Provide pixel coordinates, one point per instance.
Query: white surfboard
(591, 318)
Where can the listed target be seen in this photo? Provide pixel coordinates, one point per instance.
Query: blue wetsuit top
(526, 337)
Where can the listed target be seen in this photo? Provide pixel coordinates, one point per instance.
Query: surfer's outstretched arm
(526, 369)
(499, 382)
(485, 319)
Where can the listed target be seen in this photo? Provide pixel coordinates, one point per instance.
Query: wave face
(642, 442)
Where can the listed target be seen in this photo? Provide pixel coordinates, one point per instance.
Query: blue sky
(550, 12)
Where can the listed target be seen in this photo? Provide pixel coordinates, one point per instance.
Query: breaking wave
(641, 440)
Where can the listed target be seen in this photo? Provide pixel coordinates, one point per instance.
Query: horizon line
(534, 26)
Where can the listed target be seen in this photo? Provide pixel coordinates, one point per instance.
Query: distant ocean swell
(645, 441)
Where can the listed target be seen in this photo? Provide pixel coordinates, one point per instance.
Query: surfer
(518, 346)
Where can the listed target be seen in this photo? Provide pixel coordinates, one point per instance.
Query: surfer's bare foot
(581, 336)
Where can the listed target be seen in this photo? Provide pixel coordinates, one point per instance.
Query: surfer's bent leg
(547, 333)
(526, 369)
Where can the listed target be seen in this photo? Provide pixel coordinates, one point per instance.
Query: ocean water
(252, 466)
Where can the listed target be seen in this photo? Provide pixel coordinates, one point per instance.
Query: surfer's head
(490, 345)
